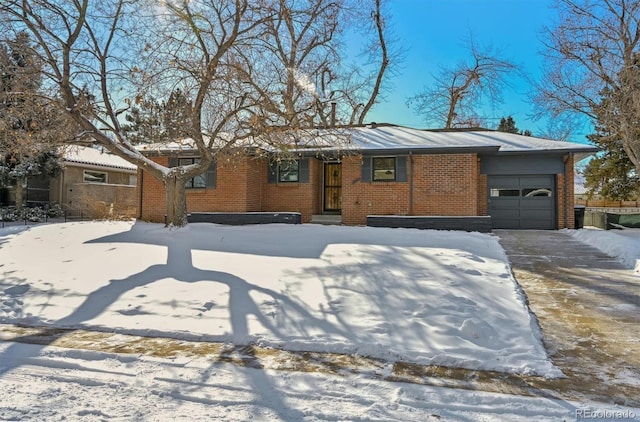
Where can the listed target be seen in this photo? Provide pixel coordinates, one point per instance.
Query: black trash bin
(578, 216)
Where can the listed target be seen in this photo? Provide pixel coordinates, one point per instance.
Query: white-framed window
(90, 176)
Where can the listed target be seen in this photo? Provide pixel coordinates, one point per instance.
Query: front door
(332, 187)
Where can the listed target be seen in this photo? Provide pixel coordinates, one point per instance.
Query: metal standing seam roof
(390, 138)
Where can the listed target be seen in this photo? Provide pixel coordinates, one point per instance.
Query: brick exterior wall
(443, 184)
(153, 200)
(567, 196)
(241, 186)
(360, 199)
(304, 198)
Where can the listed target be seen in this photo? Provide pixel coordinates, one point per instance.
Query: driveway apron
(588, 307)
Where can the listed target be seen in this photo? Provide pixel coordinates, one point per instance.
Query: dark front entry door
(332, 187)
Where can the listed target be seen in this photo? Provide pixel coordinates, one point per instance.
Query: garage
(522, 201)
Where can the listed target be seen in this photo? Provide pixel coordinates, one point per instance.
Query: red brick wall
(237, 190)
(294, 197)
(154, 199)
(568, 195)
(443, 184)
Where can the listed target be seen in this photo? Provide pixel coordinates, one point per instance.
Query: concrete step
(328, 219)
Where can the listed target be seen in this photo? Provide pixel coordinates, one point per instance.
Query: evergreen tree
(154, 121)
(508, 125)
(176, 115)
(30, 124)
(612, 174)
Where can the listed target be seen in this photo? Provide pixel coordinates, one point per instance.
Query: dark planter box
(469, 224)
(242, 218)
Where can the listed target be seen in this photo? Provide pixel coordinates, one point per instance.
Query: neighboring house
(96, 183)
(384, 170)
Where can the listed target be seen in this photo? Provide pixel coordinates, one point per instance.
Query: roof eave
(95, 166)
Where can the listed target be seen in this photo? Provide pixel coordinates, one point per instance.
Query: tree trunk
(176, 201)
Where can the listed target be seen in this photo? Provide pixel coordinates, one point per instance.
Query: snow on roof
(95, 157)
(389, 137)
(397, 137)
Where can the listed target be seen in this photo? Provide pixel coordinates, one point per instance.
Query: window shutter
(212, 174)
(366, 169)
(401, 169)
(173, 161)
(272, 174)
(303, 170)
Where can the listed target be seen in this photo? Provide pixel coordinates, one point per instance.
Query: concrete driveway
(588, 306)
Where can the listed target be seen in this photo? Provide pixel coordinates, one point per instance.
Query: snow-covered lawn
(422, 296)
(48, 383)
(622, 244)
(429, 297)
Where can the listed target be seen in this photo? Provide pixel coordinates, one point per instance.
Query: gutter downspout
(411, 183)
(566, 190)
(140, 184)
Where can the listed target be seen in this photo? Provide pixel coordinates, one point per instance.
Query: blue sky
(432, 33)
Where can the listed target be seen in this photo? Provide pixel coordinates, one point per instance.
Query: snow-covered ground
(622, 244)
(428, 297)
(47, 383)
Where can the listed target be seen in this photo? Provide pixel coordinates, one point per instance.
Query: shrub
(32, 214)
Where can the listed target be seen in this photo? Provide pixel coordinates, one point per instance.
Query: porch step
(328, 219)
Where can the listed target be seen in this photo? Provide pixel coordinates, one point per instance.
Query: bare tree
(316, 80)
(104, 57)
(382, 52)
(591, 53)
(457, 92)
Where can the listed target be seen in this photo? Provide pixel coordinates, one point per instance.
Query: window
(526, 192)
(198, 182)
(95, 177)
(504, 192)
(529, 192)
(206, 180)
(384, 168)
(288, 171)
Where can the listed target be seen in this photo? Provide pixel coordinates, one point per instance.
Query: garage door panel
(505, 214)
(537, 205)
(522, 202)
(539, 214)
(529, 181)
